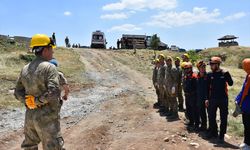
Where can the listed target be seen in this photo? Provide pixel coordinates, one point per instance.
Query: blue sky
(187, 24)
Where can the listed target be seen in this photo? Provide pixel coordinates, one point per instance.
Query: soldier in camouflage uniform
(154, 79)
(171, 75)
(179, 84)
(161, 78)
(38, 88)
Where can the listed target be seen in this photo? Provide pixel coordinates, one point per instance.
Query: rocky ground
(115, 111)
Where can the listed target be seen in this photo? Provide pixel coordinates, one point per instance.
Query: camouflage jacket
(171, 76)
(179, 78)
(154, 77)
(40, 79)
(161, 75)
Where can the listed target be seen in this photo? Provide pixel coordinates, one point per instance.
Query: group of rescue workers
(204, 93)
(40, 85)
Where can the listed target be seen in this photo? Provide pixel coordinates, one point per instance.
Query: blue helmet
(54, 62)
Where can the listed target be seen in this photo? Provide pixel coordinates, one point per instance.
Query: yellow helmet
(41, 40)
(186, 55)
(168, 58)
(183, 64)
(157, 60)
(161, 55)
(187, 65)
(177, 58)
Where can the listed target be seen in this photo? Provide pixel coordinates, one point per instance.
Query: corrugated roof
(133, 36)
(228, 37)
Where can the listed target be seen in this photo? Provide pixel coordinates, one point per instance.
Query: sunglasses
(202, 66)
(213, 63)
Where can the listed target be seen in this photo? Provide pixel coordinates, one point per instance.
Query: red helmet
(215, 60)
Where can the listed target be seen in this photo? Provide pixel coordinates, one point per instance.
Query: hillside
(232, 56)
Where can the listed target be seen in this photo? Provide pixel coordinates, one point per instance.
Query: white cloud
(117, 16)
(114, 16)
(67, 13)
(124, 28)
(198, 15)
(235, 16)
(141, 4)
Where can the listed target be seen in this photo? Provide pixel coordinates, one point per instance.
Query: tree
(155, 41)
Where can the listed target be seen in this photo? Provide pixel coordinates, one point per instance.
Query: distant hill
(8, 43)
(232, 55)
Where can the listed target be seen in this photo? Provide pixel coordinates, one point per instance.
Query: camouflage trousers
(180, 96)
(42, 125)
(166, 101)
(171, 102)
(161, 95)
(157, 92)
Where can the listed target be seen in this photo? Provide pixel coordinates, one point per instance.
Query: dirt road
(116, 113)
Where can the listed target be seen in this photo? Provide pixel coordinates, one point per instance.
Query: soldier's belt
(41, 106)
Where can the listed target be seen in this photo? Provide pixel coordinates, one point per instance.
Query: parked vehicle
(174, 48)
(98, 40)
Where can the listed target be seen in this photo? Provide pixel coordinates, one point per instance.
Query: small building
(228, 40)
(174, 48)
(133, 41)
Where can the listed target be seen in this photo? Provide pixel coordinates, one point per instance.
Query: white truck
(98, 40)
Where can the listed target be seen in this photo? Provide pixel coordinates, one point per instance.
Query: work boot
(196, 128)
(33, 148)
(203, 128)
(156, 105)
(221, 139)
(163, 111)
(169, 113)
(190, 123)
(211, 135)
(174, 116)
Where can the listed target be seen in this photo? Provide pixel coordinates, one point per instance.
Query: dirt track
(116, 113)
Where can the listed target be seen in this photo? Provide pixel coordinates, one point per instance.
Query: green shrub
(27, 57)
(194, 56)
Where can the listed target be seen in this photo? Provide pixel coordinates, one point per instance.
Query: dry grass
(70, 65)
(141, 61)
(11, 65)
(234, 55)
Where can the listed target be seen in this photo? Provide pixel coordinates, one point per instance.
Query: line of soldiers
(204, 93)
